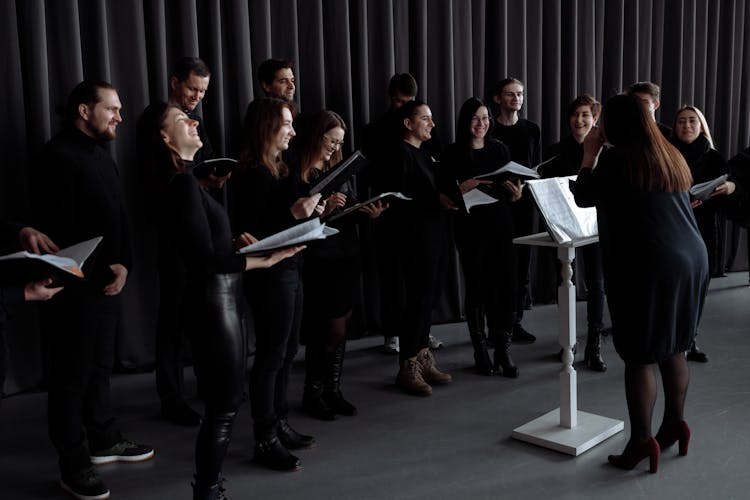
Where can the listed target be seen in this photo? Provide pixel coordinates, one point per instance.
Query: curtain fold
(345, 52)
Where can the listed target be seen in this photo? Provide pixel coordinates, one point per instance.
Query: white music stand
(566, 429)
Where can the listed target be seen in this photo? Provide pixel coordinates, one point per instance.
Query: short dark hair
(86, 92)
(268, 68)
(649, 88)
(186, 65)
(499, 86)
(585, 100)
(408, 110)
(404, 84)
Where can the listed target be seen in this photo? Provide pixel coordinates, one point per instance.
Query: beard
(101, 134)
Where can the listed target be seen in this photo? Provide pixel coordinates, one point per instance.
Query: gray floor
(454, 444)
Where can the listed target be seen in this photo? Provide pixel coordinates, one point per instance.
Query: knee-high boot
(312, 399)
(332, 395)
(475, 322)
(593, 354)
(503, 361)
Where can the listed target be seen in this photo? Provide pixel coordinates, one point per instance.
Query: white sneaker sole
(110, 459)
(67, 488)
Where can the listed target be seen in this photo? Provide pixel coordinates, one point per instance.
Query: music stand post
(566, 429)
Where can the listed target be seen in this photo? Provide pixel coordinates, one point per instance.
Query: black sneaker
(123, 451)
(521, 336)
(86, 485)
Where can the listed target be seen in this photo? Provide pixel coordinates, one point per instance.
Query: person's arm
(587, 190)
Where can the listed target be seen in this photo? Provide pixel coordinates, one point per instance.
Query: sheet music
(394, 194)
(565, 220)
(512, 168)
(703, 190)
(69, 259)
(295, 235)
(477, 197)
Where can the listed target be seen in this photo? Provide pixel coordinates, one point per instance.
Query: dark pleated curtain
(345, 52)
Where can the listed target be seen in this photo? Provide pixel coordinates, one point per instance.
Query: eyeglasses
(480, 119)
(333, 142)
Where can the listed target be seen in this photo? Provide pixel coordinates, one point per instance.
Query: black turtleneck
(705, 162)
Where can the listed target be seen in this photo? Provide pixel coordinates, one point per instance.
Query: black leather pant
(219, 343)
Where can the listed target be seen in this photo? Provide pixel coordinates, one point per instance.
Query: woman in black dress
(484, 237)
(263, 200)
(564, 159)
(199, 227)
(331, 272)
(655, 267)
(418, 229)
(693, 139)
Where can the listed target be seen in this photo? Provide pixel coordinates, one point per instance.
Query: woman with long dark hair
(655, 267)
(263, 200)
(199, 227)
(331, 272)
(484, 238)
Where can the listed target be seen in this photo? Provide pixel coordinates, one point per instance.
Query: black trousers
(420, 243)
(523, 224)
(170, 326)
(488, 260)
(219, 341)
(80, 327)
(391, 276)
(276, 298)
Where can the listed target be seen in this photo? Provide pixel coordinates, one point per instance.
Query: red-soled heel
(679, 434)
(628, 461)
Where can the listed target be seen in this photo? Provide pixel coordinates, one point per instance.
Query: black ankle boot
(312, 399)
(213, 491)
(503, 361)
(475, 322)
(269, 452)
(695, 354)
(332, 395)
(292, 439)
(593, 354)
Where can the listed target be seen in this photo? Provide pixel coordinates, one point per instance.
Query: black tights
(640, 392)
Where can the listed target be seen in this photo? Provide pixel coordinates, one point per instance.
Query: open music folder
(565, 220)
(63, 267)
(296, 235)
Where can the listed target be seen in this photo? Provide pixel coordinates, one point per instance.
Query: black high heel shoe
(628, 460)
(667, 438)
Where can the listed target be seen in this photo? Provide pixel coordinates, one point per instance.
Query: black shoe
(291, 439)
(695, 354)
(316, 407)
(340, 406)
(209, 492)
(180, 413)
(86, 485)
(122, 451)
(521, 336)
(272, 454)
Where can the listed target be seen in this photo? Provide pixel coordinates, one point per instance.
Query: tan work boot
(430, 373)
(410, 379)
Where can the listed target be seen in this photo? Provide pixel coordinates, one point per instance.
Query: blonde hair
(705, 131)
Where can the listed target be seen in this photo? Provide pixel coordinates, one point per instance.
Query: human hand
(244, 240)
(374, 209)
(118, 283)
(447, 203)
(725, 188)
(305, 207)
(696, 203)
(336, 200)
(36, 241)
(38, 290)
(470, 184)
(592, 146)
(515, 189)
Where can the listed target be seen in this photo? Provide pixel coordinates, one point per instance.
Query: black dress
(484, 237)
(707, 164)
(655, 264)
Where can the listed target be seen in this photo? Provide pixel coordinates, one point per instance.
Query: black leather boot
(503, 361)
(593, 354)
(292, 439)
(208, 491)
(695, 354)
(475, 322)
(332, 395)
(312, 399)
(269, 452)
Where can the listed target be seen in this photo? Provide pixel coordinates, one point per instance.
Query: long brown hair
(652, 163)
(323, 122)
(263, 120)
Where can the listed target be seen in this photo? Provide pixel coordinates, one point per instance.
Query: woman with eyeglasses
(692, 137)
(263, 200)
(418, 231)
(522, 138)
(331, 272)
(484, 237)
